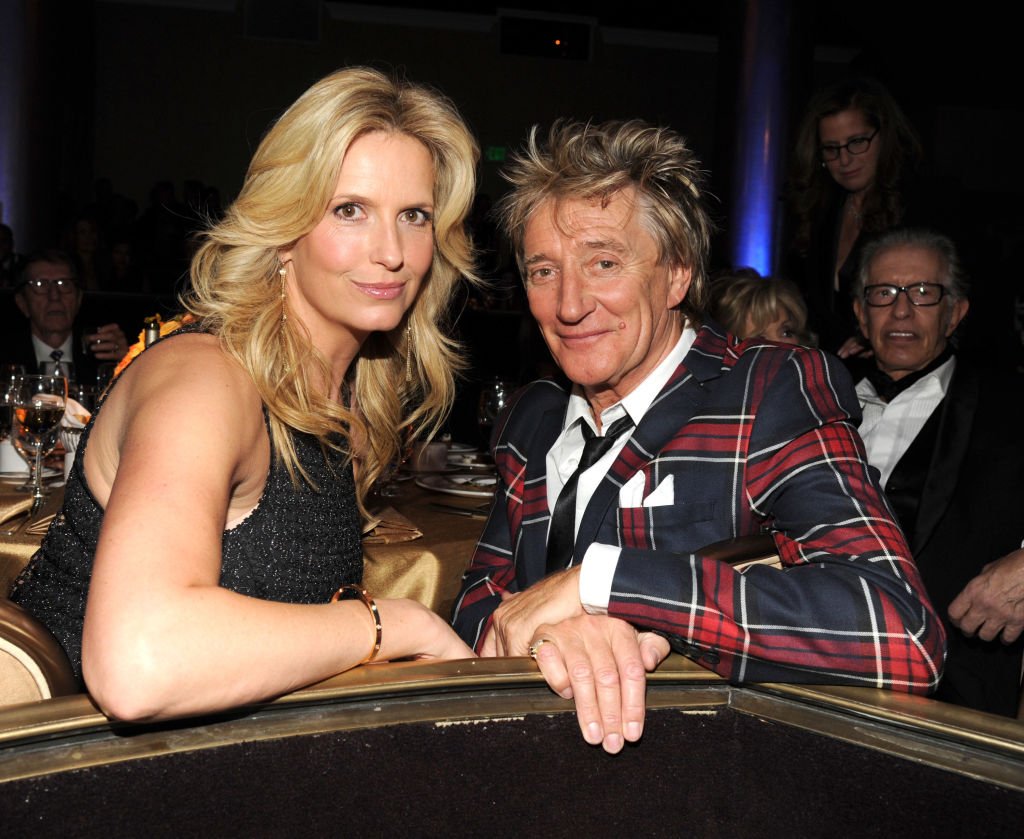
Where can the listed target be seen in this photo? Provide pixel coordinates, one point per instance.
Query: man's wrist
(597, 571)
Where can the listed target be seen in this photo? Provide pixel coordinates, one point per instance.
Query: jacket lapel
(671, 410)
(531, 548)
(948, 455)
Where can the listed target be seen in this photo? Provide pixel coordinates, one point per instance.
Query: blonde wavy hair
(236, 289)
(588, 161)
(743, 297)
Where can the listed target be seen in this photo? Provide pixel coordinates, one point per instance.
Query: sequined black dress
(297, 546)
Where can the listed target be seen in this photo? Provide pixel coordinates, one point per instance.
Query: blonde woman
(748, 304)
(214, 506)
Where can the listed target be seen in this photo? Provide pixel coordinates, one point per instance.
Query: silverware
(471, 512)
(25, 522)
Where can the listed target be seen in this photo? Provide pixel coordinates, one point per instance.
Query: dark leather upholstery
(32, 664)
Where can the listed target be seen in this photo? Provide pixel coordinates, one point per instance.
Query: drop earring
(282, 272)
(408, 351)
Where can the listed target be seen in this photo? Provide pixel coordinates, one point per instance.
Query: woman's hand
(411, 630)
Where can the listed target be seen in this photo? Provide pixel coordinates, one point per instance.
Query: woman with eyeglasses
(855, 156)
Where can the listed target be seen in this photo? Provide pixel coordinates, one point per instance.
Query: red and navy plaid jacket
(759, 437)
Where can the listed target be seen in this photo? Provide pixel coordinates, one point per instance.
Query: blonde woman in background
(748, 304)
(214, 506)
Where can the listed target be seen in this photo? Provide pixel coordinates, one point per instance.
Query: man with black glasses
(48, 295)
(946, 439)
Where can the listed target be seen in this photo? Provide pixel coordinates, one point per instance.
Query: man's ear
(680, 277)
(957, 312)
(21, 303)
(858, 310)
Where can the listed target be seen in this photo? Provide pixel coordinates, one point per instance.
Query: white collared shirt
(44, 352)
(564, 456)
(888, 429)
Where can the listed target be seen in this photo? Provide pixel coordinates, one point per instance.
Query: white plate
(451, 467)
(466, 485)
(461, 448)
(48, 472)
(470, 461)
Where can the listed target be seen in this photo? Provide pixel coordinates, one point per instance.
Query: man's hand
(107, 343)
(513, 625)
(992, 604)
(602, 663)
(854, 347)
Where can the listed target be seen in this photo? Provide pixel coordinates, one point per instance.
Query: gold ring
(536, 645)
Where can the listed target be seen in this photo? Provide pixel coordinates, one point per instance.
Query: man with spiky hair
(670, 435)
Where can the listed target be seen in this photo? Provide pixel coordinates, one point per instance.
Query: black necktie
(56, 355)
(562, 535)
(888, 389)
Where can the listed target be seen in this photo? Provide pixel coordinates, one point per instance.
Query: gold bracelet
(370, 604)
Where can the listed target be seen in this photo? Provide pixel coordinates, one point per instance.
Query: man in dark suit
(946, 439)
(48, 296)
(683, 437)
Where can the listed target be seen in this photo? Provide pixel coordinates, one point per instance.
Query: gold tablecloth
(17, 550)
(427, 569)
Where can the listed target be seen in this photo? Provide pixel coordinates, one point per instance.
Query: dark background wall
(144, 90)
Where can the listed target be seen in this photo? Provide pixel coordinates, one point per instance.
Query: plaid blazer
(759, 438)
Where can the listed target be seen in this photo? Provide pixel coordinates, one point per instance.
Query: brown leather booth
(33, 665)
(483, 748)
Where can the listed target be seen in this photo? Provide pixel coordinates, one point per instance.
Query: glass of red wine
(39, 403)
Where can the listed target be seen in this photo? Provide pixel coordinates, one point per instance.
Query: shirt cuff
(596, 574)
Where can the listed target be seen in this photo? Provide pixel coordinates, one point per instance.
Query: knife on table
(471, 512)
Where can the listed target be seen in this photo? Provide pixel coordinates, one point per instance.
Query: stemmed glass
(39, 403)
(494, 395)
(8, 374)
(390, 487)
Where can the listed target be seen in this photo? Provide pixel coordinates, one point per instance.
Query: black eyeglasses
(64, 285)
(858, 145)
(919, 294)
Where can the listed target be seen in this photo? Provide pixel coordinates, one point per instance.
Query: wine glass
(390, 487)
(39, 403)
(8, 373)
(494, 395)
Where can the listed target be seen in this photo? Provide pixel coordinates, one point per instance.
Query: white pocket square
(632, 493)
(664, 494)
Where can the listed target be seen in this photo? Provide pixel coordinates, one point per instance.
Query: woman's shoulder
(194, 359)
(183, 373)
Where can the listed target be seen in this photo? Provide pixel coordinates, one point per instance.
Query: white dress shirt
(44, 354)
(563, 457)
(888, 429)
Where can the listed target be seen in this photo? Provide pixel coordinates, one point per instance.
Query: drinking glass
(104, 375)
(494, 395)
(58, 368)
(39, 403)
(8, 373)
(390, 487)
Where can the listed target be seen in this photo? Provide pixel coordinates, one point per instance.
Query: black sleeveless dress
(298, 545)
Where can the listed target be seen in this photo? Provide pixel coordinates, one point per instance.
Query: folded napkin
(76, 415)
(389, 526)
(41, 524)
(12, 507)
